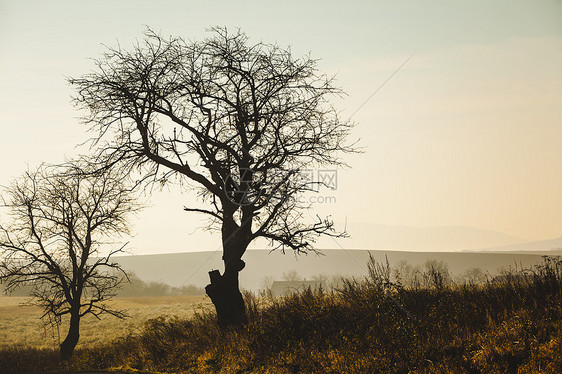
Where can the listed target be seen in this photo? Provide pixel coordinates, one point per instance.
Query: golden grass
(368, 326)
(20, 324)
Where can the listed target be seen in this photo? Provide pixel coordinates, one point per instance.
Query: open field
(20, 324)
(512, 324)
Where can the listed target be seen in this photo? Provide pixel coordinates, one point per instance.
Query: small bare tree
(238, 122)
(61, 219)
(436, 274)
(292, 276)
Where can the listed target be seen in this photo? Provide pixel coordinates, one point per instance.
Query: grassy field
(20, 324)
(512, 324)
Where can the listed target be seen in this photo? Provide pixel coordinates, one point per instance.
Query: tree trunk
(225, 294)
(67, 346)
(224, 289)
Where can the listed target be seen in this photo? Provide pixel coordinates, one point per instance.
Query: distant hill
(179, 269)
(553, 246)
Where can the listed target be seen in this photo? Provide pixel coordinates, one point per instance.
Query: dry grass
(20, 325)
(513, 325)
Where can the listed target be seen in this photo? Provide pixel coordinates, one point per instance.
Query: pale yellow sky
(467, 133)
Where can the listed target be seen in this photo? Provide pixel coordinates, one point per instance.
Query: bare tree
(238, 122)
(292, 276)
(62, 219)
(472, 275)
(436, 274)
(266, 283)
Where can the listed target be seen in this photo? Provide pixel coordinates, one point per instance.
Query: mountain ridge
(551, 245)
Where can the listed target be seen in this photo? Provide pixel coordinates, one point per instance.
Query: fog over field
(460, 247)
(178, 269)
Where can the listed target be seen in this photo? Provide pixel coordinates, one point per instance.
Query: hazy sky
(468, 132)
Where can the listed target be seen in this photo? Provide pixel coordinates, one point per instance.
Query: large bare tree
(58, 241)
(239, 122)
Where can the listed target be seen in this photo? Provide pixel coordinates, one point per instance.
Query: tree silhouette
(61, 218)
(238, 122)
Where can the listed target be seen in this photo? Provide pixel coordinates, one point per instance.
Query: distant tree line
(135, 287)
(431, 273)
(139, 288)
